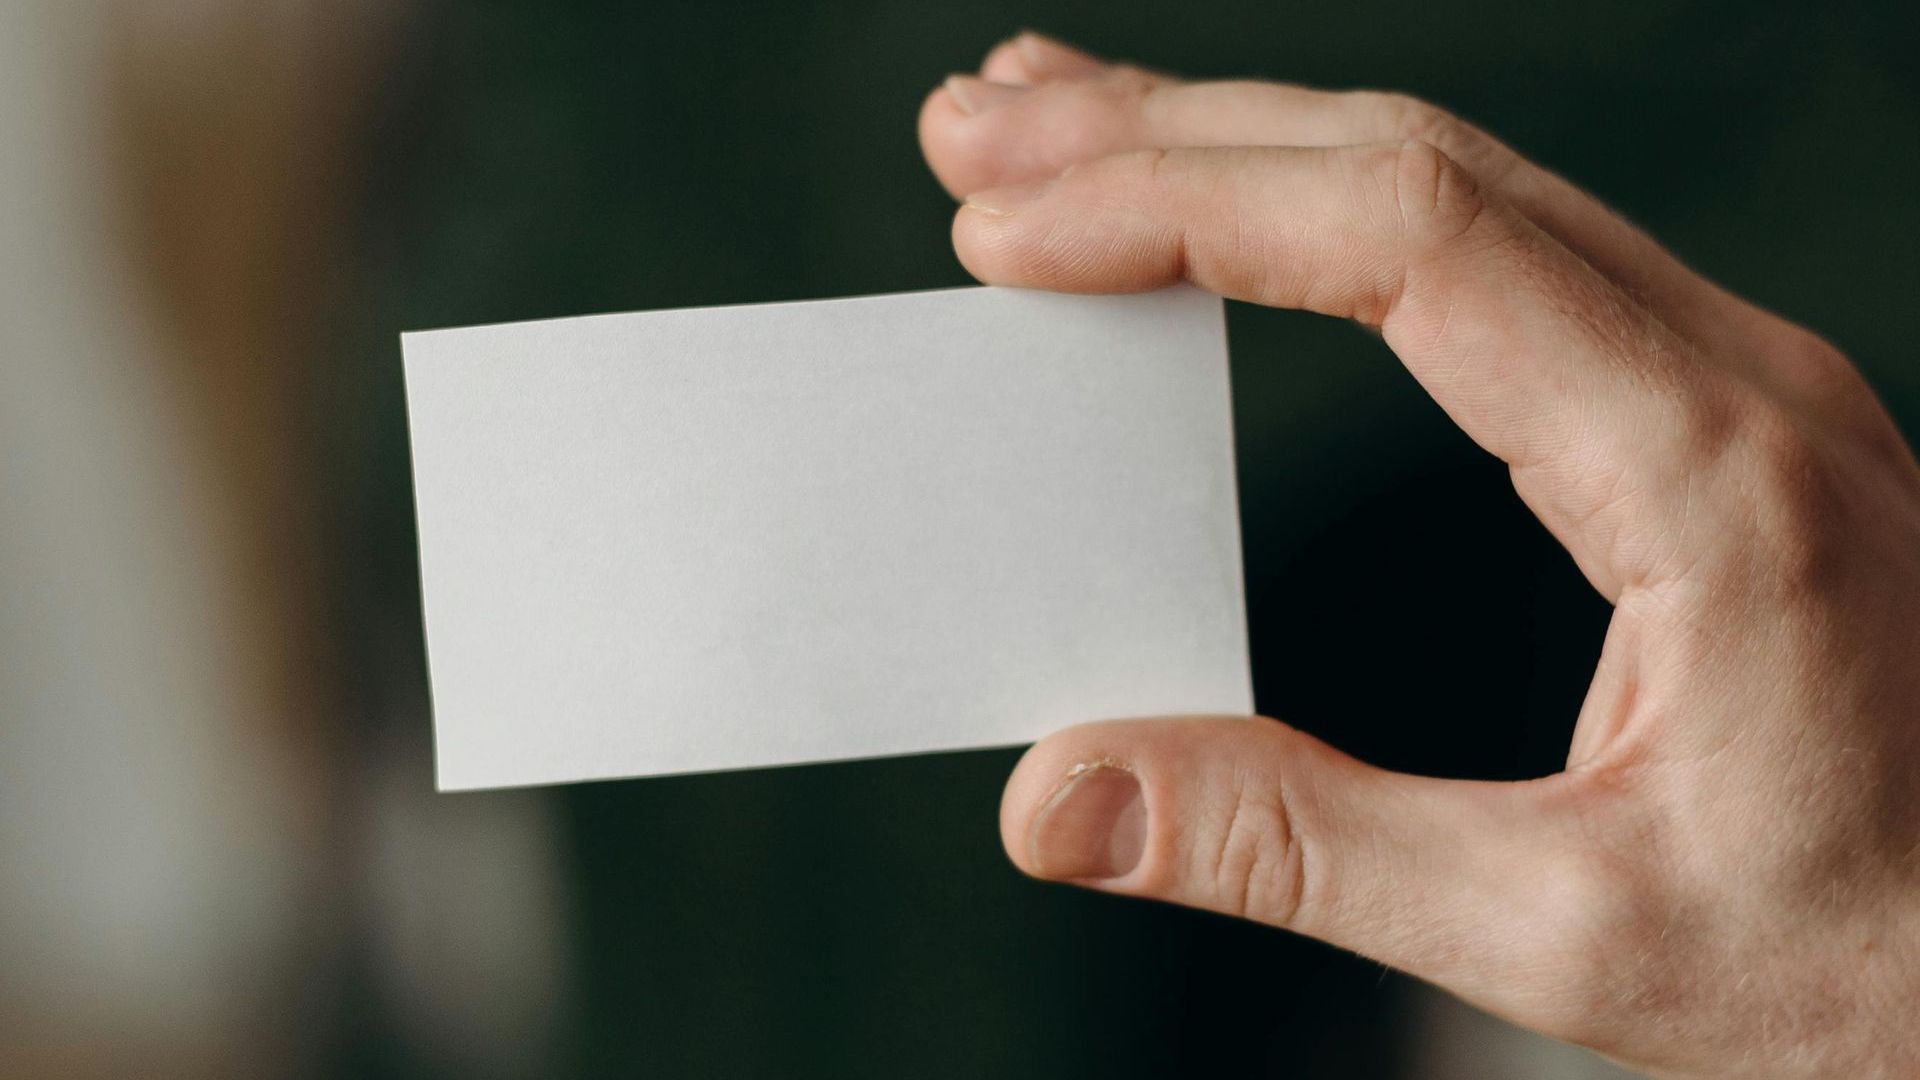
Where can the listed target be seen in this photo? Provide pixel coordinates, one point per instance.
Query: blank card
(735, 537)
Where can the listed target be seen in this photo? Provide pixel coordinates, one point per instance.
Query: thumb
(1480, 887)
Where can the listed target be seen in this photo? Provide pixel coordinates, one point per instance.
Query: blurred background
(220, 850)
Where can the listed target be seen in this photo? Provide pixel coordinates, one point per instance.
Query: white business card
(735, 537)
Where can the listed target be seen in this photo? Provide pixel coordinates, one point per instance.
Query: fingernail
(1093, 828)
(1005, 200)
(975, 96)
(1044, 55)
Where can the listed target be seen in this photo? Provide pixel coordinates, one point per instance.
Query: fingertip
(974, 96)
(1026, 787)
(1003, 64)
(1046, 58)
(1084, 804)
(956, 148)
(1040, 780)
(1030, 57)
(986, 237)
(1062, 236)
(964, 134)
(966, 246)
(939, 115)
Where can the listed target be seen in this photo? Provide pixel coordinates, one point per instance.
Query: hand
(1726, 878)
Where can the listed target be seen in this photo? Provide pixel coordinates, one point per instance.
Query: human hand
(1725, 881)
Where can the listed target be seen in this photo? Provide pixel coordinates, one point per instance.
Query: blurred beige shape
(152, 841)
(189, 846)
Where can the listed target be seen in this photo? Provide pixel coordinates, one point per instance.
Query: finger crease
(1293, 852)
(1226, 845)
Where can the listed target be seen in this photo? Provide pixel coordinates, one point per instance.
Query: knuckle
(1131, 82)
(1617, 960)
(1615, 955)
(1412, 119)
(1835, 393)
(1143, 172)
(1817, 371)
(1081, 119)
(1083, 182)
(1100, 111)
(1709, 416)
(1437, 199)
(1776, 491)
(1773, 442)
(1796, 496)
(1405, 117)
(1809, 350)
(1058, 123)
(1253, 867)
(1688, 419)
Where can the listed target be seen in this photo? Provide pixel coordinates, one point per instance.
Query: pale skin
(1725, 879)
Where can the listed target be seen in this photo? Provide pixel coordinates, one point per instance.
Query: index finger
(1022, 137)
(1594, 403)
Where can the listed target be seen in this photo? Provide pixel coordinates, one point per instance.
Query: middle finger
(979, 135)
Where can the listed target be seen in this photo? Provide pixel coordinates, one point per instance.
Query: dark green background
(545, 159)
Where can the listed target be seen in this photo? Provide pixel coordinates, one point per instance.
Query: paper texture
(733, 537)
